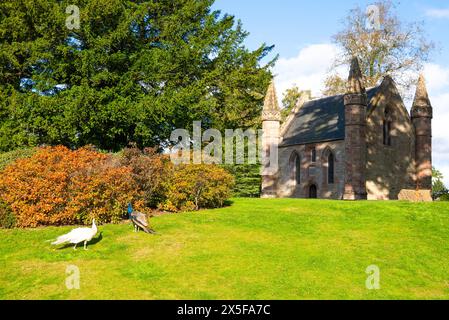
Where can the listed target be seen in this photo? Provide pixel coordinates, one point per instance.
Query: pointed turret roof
(355, 80)
(271, 101)
(421, 95)
(271, 110)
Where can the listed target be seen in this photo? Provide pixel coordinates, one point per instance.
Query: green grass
(255, 249)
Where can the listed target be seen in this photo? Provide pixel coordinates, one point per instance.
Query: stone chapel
(357, 146)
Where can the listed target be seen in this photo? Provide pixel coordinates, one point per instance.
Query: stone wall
(423, 155)
(311, 173)
(270, 142)
(390, 168)
(355, 147)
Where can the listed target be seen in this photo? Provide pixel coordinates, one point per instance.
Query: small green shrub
(7, 218)
(444, 197)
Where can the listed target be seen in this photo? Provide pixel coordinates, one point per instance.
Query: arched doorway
(313, 192)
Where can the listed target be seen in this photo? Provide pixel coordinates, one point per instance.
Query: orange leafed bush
(198, 186)
(151, 171)
(59, 186)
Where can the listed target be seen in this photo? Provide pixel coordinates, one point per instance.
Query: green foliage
(444, 197)
(7, 158)
(7, 218)
(438, 188)
(247, 180)
(290, 100)
(134, 71)
(436, 174)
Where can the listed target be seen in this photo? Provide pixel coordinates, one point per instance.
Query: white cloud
(438, 13)
(437, 78)
(307, 70)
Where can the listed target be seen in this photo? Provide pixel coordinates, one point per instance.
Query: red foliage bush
(58, 186)
(151, 171)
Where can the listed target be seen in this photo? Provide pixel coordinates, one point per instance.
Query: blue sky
(301, 32)
(293, 24)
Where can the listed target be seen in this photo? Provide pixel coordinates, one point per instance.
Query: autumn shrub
(199, 186)
(9, 157)
(7, 218)
(59, 186)
(151, 171)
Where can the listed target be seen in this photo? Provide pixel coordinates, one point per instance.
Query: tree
(247, 180)
(290, 99)
(384, 45)
(438, 187)
(436, 174)
(132, 72)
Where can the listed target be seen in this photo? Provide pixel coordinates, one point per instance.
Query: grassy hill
(255, 249)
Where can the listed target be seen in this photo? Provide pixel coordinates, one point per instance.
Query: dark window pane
(330, 168)
(298, 169)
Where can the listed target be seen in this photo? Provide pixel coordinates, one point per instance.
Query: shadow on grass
(228, 203)
(92, 242)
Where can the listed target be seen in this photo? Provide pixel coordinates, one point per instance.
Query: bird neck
(94, 226)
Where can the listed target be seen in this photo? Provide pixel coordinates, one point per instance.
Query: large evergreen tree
(132, 72)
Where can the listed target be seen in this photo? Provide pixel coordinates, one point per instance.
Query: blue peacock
(139, 220)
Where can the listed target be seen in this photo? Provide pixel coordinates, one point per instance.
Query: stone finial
(271, 111)
(355, 80)
(421, 96)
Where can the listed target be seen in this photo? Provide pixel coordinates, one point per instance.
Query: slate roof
(320, 120)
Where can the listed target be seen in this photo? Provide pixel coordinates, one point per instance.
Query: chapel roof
(320, 120)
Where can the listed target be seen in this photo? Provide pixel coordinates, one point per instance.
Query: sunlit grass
(254, 249)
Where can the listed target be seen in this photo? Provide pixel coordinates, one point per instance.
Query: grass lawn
(255, 249)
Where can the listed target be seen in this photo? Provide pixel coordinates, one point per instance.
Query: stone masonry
(378, 150)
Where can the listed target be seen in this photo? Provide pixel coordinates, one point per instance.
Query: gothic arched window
(330, 169)
(313, 154)
(387, 127)
(298, 169)
(295, 166)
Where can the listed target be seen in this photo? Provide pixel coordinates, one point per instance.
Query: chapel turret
(421, 115)
(355, 101)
